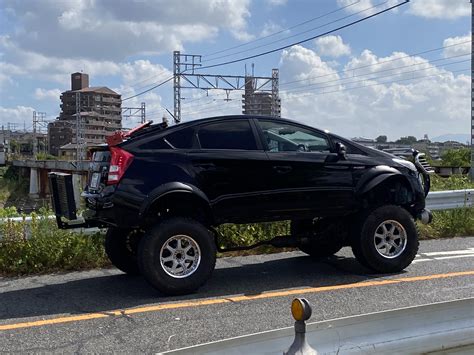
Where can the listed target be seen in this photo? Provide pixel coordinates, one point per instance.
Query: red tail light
(119, 162)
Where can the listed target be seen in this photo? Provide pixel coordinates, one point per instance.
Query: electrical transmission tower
(472, 91)
(185, 77)
(134, 112)
(39, 122)
(80, 141)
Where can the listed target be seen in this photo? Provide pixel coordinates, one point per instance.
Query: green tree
(381, 139)
(457, 157)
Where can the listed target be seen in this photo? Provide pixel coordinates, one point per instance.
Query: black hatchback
(161, 192)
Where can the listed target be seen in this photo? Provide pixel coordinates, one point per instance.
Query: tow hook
(425, 216)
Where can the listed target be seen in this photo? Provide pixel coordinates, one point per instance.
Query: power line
(379, 63)
(299, 33)
(282, 31)
(305, 40)
(344, 89)
(150, 89)
(187, 107)
(380, 71)
(382, 83)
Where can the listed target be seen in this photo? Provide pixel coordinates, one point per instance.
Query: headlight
(405, 163)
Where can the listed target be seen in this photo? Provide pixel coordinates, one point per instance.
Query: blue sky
(127, 46)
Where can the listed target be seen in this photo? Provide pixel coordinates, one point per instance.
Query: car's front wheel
(177, 256)
(388, 240)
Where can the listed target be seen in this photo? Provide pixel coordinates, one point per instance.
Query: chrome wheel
(390, 239)
(180, 256)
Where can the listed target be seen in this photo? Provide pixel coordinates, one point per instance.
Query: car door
(228, 168)
(305, 177)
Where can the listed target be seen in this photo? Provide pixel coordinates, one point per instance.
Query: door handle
(282, 169)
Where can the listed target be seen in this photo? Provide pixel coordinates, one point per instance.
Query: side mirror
(341, 151)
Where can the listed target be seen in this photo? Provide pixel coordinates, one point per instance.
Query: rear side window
(227, 135)
(182, 139)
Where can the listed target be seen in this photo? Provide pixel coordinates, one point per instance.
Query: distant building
(100, 114)
(21, 142)
(259, 103)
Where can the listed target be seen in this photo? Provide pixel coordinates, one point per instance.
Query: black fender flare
(171, 187)
(377, 175)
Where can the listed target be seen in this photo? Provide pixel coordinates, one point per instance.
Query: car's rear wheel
(121, 247)
(320, 245)
(388, 240)
(177, 256)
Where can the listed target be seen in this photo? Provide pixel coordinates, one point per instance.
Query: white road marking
(444, 255)
(452, 252)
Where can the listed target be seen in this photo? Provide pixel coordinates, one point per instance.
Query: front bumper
(425, 216)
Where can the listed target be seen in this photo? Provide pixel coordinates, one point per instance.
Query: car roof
(176, 127)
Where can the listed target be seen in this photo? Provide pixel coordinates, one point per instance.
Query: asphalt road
(106, 311)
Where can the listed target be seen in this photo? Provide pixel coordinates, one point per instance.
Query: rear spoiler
(120, 136)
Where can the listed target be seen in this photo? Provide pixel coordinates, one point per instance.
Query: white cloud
(18, 114)
(44, 94)
(276, 2)
(366, 7)
(332, 46)
(442, 9)
(269, 28)
(457, 45)
(114, 30)
(436, 102)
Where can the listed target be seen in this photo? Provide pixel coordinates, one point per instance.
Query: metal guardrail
(447, 200)
(436, 328)
(435, 201)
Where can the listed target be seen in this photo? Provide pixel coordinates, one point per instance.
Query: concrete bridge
(38, 172)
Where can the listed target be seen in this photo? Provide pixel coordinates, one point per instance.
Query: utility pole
(78, 127)
(177, 85)
(472, 91)
(134, 112)
(38, 118)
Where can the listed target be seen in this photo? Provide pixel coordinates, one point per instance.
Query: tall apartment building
(99, 109)
(259, 103)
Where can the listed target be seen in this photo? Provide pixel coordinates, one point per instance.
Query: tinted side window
(284, 137)
(227, 135)
(182, 139)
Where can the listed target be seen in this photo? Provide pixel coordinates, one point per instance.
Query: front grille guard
(425, 170)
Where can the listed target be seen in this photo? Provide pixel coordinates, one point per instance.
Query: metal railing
(448, 200)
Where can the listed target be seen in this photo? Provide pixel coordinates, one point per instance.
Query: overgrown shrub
(454, 182)
(448, 224)
(40, 247)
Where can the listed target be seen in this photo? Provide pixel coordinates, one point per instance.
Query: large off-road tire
(317, 248)
(388, 240)
(177, 256)
(121, 247)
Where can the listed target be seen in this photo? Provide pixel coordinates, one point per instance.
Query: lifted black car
(161, 191)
